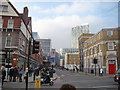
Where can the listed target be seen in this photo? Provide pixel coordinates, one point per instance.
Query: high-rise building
(45, 46)
(76, 32)
(35, 35)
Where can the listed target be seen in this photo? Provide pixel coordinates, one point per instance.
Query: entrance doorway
(112, 66)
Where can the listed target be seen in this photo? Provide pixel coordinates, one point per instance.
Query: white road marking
(104, 86)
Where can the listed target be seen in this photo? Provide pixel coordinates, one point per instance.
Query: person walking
(76, 68)
(101, 72)
(15, 73)
(10, 74)
(20, 74)
(3, 74)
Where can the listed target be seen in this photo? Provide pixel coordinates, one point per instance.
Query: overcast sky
(54, 19)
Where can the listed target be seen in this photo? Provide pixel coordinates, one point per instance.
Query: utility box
(37, 82)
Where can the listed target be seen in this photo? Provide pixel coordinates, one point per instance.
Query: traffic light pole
(29, 50)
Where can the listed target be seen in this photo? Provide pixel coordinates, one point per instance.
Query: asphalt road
(79, 80)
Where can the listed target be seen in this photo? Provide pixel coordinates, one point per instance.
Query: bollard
(37, 82)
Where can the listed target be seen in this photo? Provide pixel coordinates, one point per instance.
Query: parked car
(117, 76)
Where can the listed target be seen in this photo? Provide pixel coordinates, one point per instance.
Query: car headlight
(117, 78)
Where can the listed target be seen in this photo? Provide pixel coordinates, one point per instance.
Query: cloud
(59, 29)
(57, 20)
(63, 0)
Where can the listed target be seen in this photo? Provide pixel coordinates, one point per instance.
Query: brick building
(16, 31)
(104, 46)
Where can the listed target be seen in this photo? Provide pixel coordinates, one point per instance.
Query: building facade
(16, 32)
(81, 41)
(37, 56)
(76, 32)
(35, 35)
(104, 47)
(46, 47)
(63, 51)
(71, 60)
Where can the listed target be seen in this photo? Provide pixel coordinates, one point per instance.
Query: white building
(63, 51)
(76, 32)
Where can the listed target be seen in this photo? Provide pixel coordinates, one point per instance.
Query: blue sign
(52, 59)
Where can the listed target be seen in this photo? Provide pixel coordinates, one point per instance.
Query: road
(79, 80)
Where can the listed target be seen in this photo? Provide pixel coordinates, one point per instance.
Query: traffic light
(36, 45)
(95, 61)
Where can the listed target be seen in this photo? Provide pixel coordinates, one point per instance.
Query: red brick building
(16, 30)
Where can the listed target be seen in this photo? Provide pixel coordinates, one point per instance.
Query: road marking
(104, 86)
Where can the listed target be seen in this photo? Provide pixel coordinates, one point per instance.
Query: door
(112, 66)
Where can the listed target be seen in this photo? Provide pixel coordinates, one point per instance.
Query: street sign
(52, 59)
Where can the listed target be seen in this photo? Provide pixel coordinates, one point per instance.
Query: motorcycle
(47, 80)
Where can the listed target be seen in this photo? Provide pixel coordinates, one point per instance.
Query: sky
(54, 19)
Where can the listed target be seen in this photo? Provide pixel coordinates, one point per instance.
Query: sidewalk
(97, 75)
(93, 74)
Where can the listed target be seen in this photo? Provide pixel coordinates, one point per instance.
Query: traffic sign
(52, 59)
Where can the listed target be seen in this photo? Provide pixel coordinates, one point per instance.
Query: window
(8, 40)
(100, 47)
(3, 8)
(10, 23)
(109, 33)
(1, 22)
(110, 46)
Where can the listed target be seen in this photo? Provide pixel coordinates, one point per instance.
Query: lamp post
(29, 52)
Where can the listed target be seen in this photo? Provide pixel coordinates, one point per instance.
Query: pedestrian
(10, 74)
(15, 73)
(30, 71)
(36, 73)
(101, 72)
(76, 68)
(20, 73)
(67, 87)
(3, 74)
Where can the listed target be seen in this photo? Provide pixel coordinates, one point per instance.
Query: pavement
(90, 74)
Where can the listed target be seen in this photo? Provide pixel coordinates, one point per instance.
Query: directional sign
(52, 59)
